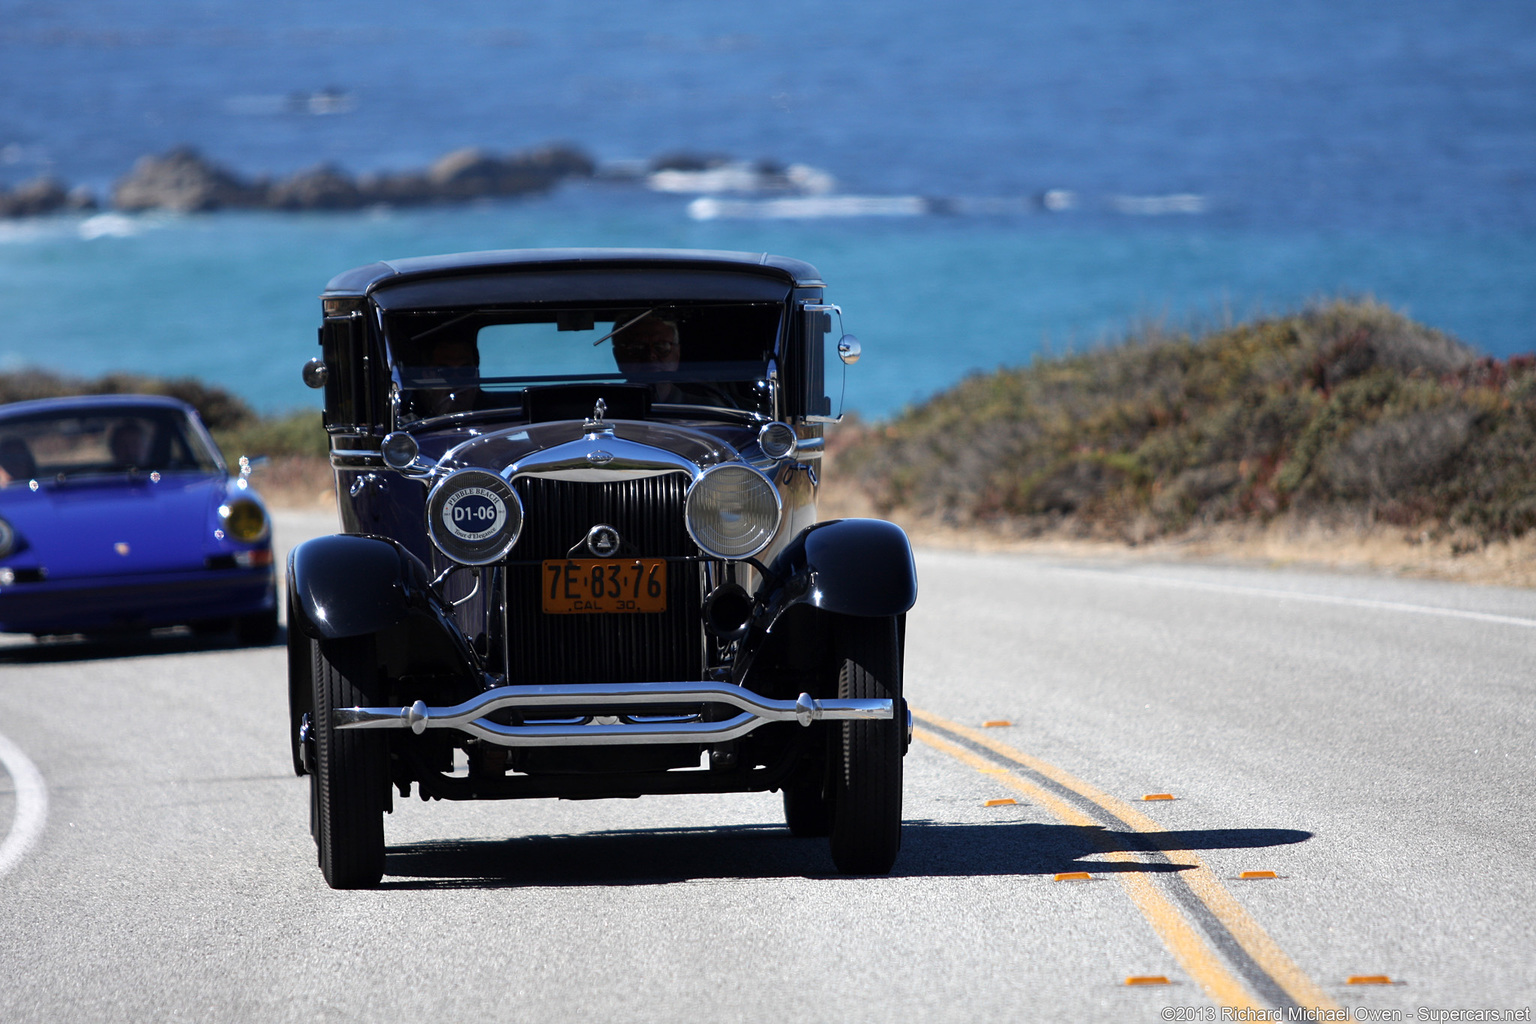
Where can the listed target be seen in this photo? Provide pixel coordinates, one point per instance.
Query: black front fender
(348, 585)
(848, 566)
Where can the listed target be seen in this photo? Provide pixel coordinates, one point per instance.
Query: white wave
(743, 179)
(1157, 206)
(109, 225)
(807, 207)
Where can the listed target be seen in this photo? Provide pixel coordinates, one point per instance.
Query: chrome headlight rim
(699, 490)
(468, 498)
(229, 512)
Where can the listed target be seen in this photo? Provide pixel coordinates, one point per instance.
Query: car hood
(573, 450)
(116, 527)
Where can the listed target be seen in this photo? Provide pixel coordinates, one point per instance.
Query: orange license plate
(584, 586)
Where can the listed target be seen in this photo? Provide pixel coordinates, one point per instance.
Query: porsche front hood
(116, 527)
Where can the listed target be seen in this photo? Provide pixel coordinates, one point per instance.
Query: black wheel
(301, 687)
(807, 808)
(257, 630)
(866, 764)
(351, 769)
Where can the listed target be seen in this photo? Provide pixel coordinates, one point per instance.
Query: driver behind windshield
(129, 445)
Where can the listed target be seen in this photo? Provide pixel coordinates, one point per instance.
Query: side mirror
(849, 349)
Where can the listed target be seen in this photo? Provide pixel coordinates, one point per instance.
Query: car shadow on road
(19, 650)
(929, 849)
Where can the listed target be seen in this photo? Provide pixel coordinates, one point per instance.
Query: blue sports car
(118, 513)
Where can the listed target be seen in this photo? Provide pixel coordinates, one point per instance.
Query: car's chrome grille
(618, 648)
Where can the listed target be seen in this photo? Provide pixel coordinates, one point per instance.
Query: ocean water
(1222, 159)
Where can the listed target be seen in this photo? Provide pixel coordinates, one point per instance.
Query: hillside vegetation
(1346, 411)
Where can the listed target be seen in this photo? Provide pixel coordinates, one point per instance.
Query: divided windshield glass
(693, 357)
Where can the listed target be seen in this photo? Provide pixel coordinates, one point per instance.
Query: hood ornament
(596, 424)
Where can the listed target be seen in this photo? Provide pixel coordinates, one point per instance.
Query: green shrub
(1346, 406)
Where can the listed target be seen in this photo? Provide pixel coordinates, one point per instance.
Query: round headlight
(473, 516)
(732, 511)
(7, 538)
(243, 520)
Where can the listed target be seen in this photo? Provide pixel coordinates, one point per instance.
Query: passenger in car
(458, 359)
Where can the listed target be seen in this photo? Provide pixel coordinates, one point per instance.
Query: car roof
(365, 280)
(89, 403)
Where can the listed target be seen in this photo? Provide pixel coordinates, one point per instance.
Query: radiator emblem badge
(599, 457)
(603, 541)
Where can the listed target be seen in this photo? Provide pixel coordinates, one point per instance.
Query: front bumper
(142, 601)
(612, 714)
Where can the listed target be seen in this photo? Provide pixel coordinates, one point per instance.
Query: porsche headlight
(473, 516)
(732, 511)
(243, 520)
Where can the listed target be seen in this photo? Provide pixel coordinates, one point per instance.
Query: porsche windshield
(101, 441)
(706, 356)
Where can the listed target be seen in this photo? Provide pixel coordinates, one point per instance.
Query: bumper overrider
(612, 714)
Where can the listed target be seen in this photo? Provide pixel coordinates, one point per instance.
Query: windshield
(686, 359)
(101, 440)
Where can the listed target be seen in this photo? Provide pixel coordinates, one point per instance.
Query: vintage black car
(580, 553)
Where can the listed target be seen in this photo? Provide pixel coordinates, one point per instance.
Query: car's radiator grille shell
(616, 648)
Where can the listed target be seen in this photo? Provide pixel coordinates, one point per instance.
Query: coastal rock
(182, 180)
(473, 173)
(319, 188)
(34, 198)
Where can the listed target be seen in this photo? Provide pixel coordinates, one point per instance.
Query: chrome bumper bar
(610, 702)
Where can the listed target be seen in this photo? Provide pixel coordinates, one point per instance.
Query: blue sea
(1205, 161)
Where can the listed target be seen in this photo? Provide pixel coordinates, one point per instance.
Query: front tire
(351, 768)
(866, 763)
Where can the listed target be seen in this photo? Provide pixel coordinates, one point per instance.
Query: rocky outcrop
(43, 195)
(185, 181)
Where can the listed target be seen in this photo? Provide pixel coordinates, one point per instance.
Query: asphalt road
(1369, 741)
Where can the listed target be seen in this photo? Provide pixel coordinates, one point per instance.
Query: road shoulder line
(31, 805)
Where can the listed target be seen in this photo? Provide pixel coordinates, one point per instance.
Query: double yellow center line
(1214, 940)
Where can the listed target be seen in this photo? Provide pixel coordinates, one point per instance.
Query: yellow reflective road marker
(1158, 796)
(996, 723)
(1177, 933)
(1368, 979)
(1005, 801)
(1074, 876)
(1258, 874)
(1148, 979)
